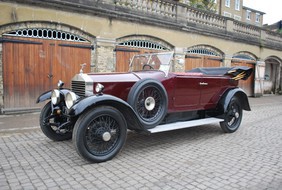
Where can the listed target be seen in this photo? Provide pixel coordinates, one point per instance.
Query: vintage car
(100, 107)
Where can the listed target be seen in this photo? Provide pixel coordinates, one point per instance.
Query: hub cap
(150, 103)
(106, 136)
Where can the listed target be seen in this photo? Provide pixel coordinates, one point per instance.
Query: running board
(184, 124)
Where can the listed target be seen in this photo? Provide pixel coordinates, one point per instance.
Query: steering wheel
(150, 66)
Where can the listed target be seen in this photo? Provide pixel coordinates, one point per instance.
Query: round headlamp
(70, 99)
(55, 97)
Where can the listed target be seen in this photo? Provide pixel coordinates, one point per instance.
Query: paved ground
(195, 158)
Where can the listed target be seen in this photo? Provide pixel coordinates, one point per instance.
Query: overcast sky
(271, 8)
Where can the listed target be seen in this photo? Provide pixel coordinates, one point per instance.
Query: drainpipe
(220, 8)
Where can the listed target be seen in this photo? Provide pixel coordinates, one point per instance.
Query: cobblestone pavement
(195, 158)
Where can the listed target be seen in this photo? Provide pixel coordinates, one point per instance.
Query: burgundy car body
(186, 91)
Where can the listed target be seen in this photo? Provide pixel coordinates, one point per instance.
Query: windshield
(154, 61)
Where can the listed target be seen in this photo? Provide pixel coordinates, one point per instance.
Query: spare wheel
(148, 98)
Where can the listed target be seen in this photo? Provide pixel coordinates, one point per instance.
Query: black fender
(47, 95)
(240, 94)
(89, 102)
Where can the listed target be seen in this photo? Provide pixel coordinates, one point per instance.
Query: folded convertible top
(237, 73)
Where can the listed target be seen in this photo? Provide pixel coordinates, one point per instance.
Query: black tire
(148, 98)
(47, 129)
(99, 134)
(232, 117)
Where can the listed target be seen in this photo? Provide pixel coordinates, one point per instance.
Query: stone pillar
(181, 14)
(278, 79)
(263, 35)
(229, 25)
(179, 63)
(227, 61)
(105, 56)
(259, 78)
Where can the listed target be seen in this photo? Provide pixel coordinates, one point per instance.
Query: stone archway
(129, 46)
(35, 56)
(272, 76)
(203, 56)
(244, 58)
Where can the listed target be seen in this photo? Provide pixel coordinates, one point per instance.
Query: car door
(211, 90)
(187, 92)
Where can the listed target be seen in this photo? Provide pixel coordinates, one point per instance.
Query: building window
(203, 50)
(227, 3)
(257, 17)
(237, 5)
(227, 14)
(46, 33)
(143, 44)
(248, 15)
(236, 17)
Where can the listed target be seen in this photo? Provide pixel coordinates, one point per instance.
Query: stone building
(233, 9)
(44, 41)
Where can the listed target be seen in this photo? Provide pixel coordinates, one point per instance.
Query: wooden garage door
(124, 54)
(32, 66)
(195, 61)
(246, 85)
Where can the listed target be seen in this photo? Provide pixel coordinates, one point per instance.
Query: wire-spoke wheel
(232, 117)
(99, 134)
(149, 99)
(148, 103)
(49, 124)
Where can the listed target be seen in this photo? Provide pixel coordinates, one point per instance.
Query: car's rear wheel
(48, 121)
(99, 134)
(232, 117)
(149, 100)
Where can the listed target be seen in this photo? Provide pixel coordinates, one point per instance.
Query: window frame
(237, 5)
(227, 3)
(258, 17)
(248, 15)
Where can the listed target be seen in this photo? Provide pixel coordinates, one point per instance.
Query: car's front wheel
(100, 134)
(232, 117)
(49, 124)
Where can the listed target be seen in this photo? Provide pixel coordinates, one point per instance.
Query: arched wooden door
(194, 61)
(246, 85)
(32, 66)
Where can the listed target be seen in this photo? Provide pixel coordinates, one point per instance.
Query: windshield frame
(165, 60)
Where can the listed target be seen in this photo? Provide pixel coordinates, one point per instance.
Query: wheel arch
(88, 103)
(228, 95)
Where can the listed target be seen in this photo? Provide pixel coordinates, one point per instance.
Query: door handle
(203, 83)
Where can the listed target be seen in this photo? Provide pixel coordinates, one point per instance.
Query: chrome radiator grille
(78, 87)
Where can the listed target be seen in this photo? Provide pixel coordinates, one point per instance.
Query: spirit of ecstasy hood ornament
(82, 67)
